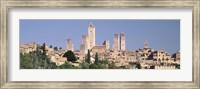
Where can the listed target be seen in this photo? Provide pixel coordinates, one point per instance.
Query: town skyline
(171, 43)
(94, 56)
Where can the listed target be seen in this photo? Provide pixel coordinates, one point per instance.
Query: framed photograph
(100, 44)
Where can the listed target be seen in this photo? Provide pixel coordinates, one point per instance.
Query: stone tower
(116, 44)
(91, 35)
(122, 42)
(84, 46)
(70, 45)
(107, 44)
(119, 42)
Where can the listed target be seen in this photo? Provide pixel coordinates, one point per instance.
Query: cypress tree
(88, 56)
(45, 56)
(44, 49)
(96, 58)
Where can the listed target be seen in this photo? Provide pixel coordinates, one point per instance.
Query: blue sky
(160, 34)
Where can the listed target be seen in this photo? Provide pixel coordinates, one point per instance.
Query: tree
(51, 46)
(44, 56)
(70, 56)
(56, 48)
(112, 65)
(60, 48)
(66, 65)
(47, 63)
(96, 58)
(36, 60)
(105, 61)
(93, 66)
(138, 66)
(102, 66)
(177, 66)
(84, 65)
(44, 49)
(53, 65)
(88, 57)
(25, 62)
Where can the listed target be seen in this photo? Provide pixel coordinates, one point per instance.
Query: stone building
(84, 46)
(57, 57)
(144, 53)
(161, 55)
(119, 42)
(102, 50)
(116, 43)
(28, 47)
(91, 35)
(99, 49)
(177, 55)
(88, 43)
(70, 45)
(122, 42)
(107, 44)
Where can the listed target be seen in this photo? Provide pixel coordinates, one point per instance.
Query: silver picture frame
(4, 43)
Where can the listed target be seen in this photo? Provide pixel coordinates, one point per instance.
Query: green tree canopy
(138, 66)
(70, 56)
(112, 65)
(84, 65)
(25, 62)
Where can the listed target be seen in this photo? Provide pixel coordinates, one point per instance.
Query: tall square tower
(122, 41)
(116, 44)
(91, 35)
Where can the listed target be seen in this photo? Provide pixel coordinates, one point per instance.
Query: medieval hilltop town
(147, 57)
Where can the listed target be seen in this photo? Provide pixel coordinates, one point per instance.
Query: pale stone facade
(116, 44)
(99, 49)
(91, 35)
(107, 44)
(119, 42)
(70, 45)
(161, 55)
(178, 55)
(28, 47)
(57, 57)
(84, 46)
(122, 41)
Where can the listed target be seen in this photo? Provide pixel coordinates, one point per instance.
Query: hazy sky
(160, 34)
